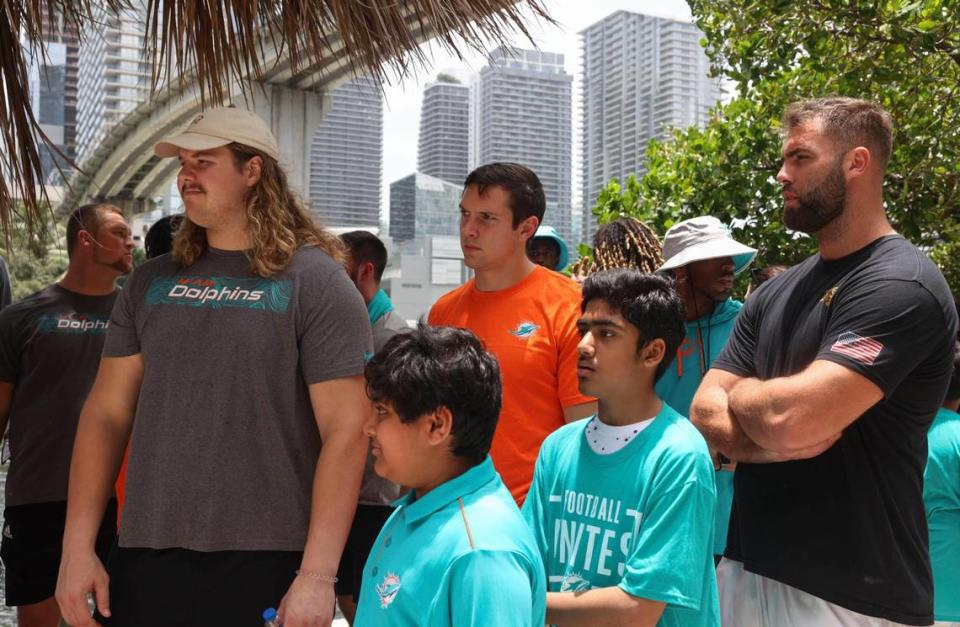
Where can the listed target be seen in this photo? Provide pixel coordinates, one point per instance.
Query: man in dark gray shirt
(231, 360)
(50, 344)
(365, 262)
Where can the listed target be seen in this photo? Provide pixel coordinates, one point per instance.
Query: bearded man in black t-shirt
(824, 394)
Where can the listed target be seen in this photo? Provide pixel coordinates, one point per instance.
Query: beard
(121, 265)
(820, 206)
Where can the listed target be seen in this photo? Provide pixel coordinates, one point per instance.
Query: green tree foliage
(904, 55)
(36, 257)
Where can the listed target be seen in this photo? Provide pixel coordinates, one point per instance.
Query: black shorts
(32, 545)
(183, 588)
(367, 523)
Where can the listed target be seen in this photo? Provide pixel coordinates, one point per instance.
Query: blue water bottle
(270, 618)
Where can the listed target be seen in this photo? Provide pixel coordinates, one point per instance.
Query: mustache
(191, 187)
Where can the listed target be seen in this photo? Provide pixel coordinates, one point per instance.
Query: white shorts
(750, 600)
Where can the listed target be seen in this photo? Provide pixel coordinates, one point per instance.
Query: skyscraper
(53, 92)
(114, 75)
(347, 158)
(522, 102)
(641, 75)
(444, 143)
(422, 205)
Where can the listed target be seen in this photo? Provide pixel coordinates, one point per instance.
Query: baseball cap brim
(721, 247)
(171, 146)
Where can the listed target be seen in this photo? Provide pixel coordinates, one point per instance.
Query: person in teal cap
(941, 497)
(546, 248)
(456, 552)
(703, 260)
(622, 503)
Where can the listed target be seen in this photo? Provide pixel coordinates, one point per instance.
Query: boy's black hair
(647, 301)
(522, 185)
(364, 246)
(431, 367)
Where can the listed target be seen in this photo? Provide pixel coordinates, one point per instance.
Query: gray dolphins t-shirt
(225, 442)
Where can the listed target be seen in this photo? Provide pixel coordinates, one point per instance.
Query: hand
(308, 603)
(80, 573)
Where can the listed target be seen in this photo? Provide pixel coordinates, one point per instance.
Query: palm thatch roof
(221, 44)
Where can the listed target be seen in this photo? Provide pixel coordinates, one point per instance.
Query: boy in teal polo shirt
(622, 503)
(941, 498)
(456, 551)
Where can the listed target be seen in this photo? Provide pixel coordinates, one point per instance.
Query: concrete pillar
(294, 116)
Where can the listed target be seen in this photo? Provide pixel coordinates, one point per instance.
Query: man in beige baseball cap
(236, 354)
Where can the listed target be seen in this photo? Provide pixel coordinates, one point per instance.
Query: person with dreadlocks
(703, 259)
(626, 243)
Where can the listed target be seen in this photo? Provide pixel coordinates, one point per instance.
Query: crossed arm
(784, 418)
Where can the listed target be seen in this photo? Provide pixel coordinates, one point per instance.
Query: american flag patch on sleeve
(861, 349)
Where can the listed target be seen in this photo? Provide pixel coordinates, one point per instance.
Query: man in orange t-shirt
(525, 314)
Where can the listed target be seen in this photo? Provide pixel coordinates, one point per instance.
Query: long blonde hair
(276, 219)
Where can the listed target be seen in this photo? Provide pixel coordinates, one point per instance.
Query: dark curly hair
(431, 367)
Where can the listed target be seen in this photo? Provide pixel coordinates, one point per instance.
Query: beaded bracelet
(313, 574)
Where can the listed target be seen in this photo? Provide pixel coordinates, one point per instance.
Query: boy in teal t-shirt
(941, 498)
(622, 504)
(456, 552)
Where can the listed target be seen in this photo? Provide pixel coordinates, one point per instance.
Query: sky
(401, 112)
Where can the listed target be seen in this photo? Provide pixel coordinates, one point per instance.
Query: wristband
(314, 574)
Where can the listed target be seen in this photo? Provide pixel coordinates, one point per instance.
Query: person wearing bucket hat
(825, 393)
(236, 354)
(546, 248)
(703, 258)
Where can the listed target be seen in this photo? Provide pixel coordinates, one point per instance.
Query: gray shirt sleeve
(334, 330)
(123, 340)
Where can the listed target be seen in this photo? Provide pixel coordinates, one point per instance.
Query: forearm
(336, 487)
(710, 413)
(601, 607)
(97, 455)
(763, 410)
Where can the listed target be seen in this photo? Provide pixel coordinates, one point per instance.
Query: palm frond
(221, 43)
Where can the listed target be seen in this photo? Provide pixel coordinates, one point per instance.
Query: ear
(366, 271)
(653, 353)
(528, 228)
(253, 170)
(857, 162)
(439, 426)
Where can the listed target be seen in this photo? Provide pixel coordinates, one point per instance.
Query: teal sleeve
(533, 510)
(668, 563)
(492, 588)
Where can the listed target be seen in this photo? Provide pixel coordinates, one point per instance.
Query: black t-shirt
(50, 346)
(848, 526)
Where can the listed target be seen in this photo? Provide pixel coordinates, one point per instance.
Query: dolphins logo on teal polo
(387, 591)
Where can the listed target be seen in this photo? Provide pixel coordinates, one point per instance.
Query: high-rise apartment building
(114, 74)
(53, 92)
(422, 205)
(641, 75)
(347, 158)
(444, 145)
(522, 103)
